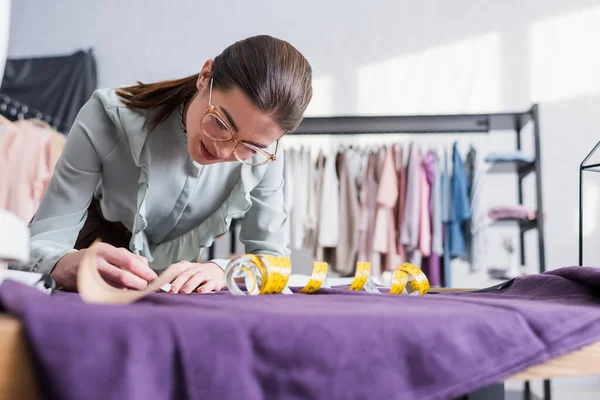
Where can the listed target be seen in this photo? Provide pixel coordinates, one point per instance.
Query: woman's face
(249, 123)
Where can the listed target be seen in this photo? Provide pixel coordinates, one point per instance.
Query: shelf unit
(453, 124)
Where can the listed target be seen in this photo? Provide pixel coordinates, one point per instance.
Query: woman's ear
(204, 75)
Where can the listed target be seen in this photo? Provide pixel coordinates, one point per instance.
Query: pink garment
(424, 214)
(26, 166)
(401, 174)
(384, 239)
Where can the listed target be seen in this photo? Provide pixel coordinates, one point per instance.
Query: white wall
(393, 57)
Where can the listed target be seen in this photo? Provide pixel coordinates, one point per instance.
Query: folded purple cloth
(511, 212)
(334, 345)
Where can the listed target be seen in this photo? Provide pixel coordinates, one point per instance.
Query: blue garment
(510, 156)
(461, 208)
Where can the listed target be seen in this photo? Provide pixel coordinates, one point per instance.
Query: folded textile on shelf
(509, 156)
(512, 212)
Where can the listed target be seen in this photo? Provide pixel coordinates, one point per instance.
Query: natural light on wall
(462, 76)
(321, 104)
(566, 56)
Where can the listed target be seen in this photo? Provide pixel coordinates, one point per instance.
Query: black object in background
(57, 86)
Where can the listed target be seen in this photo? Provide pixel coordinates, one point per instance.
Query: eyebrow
(234, 126)
(231, 121)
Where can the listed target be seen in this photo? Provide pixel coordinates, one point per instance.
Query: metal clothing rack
(15, 110)
(452, 124)
(582, 168)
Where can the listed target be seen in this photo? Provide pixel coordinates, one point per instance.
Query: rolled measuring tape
(261, 274)
(266, 274)
(406, 279)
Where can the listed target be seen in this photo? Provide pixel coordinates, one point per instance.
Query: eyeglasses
(217, 128)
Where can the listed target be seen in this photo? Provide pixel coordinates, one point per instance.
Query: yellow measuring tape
(265, 274)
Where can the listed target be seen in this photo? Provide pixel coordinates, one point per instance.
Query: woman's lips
(207, 154)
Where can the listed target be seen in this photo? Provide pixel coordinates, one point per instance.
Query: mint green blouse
(174, 207)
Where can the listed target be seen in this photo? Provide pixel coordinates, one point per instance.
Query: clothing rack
(453, 124)
(15, 110)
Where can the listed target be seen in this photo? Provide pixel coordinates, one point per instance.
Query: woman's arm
(264, 225)
(63, 209)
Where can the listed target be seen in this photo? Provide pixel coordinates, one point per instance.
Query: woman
(157, 171)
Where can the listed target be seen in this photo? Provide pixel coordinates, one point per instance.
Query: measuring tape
(406, 279)
(265, 274)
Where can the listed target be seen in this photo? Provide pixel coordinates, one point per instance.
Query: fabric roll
(509, 156)
(512, 212)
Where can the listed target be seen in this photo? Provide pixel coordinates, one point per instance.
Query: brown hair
(270, 71)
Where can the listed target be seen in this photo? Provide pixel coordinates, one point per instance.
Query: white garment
(288, 190)
(437, 243)
(409, 231)
(478, 223)
(298, 211)
(310, 216)
(329, 221)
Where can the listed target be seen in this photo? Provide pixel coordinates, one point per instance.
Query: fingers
(210, 286)
(185, 272)
(120, 277)
(123, 258)
(196, 280)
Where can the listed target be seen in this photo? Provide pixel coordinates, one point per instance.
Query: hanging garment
(409, 230)
(425, 177)
(288, 191)
(329, 209)
(311, 218)
(298, 215)
(401, 173)
(431, 265)
(460, 205)
(478, 221)
(447, 217)
(368, 207)
(349, 217)
(437, 243)
(384, 239)
(26, 166)
(318, 190)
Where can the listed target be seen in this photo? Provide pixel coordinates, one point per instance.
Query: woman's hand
(118, 266)
(205, 278)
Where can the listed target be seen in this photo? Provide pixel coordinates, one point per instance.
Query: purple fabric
(336, 345)
(511, 212)
(432, 268)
